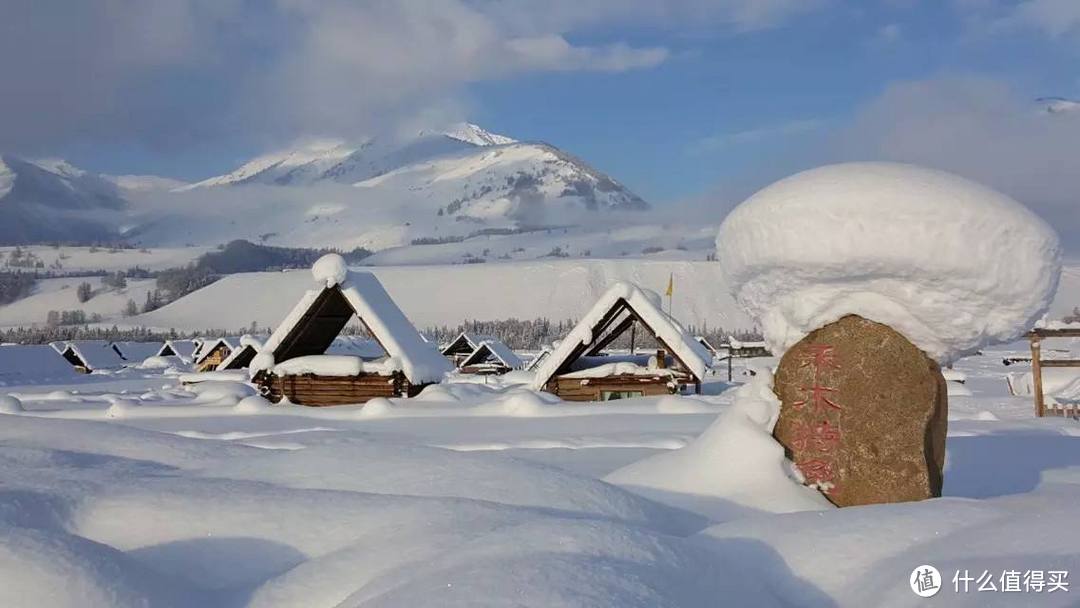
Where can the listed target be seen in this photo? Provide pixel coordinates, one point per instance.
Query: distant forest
(519, 334)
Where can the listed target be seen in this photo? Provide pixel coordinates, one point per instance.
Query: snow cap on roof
(948, 263)
(330, 269)
(646, 304)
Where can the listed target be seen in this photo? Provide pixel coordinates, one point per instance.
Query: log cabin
(185, 350)
(241, 356)
(464, 345)
(580, 369)
(491, 357)
(213, 353)
(87, 356)
(293, 364)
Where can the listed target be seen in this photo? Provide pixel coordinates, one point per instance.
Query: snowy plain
(130, 489)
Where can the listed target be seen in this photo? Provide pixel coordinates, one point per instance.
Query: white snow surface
(950, 264)
(733, 466)
(32, 364)
(132, 490)
(647, 305)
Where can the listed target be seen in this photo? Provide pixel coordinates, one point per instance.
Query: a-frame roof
(613, 313)
(93, 354)
(241, 356)
(465, 343)
(209, 346)
(321, 314)
(702, 340)
(184, 349)
(494, 349)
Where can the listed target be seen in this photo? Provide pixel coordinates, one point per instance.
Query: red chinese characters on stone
(820, 357)
(818, 398)
(817, 470)
(820, 437)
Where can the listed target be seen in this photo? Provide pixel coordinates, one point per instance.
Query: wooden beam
(1036, 375)
(1055, 333)
(1058, 363)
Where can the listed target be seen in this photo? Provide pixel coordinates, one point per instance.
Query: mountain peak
(476, 135)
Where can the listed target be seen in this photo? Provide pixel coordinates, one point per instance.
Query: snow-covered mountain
(435, 186)
(389, 192)
(50, 200)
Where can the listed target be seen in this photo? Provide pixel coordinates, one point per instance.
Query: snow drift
(950, 264)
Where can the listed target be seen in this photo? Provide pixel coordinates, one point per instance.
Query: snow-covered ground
(131, 490)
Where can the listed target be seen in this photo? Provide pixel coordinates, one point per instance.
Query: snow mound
(330, 269)
(120, 408)
(252, 405)
(215, 392)
(733, 467)
(10, 405)
(950, 264)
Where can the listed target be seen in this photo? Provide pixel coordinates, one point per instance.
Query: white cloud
(169, 71)
(982, 129)
(753, 136)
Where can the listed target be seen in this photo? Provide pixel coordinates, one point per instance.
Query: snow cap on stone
(330, 269)
(950, 264)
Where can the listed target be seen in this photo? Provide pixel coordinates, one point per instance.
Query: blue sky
(676, 99)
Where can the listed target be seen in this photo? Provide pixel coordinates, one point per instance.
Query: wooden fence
(1037, 363)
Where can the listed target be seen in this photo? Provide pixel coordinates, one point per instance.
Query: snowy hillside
(437, 295)
(448, 295)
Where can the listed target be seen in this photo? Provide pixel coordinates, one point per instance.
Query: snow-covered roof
(948, 263)
(31, 363)
(603, 315)
(702, 340)
(494, 349)
(137, 352)
(466, 342)
(185, 349)
(208, 346)
(246, 349)
(322, 313)
(95, 354)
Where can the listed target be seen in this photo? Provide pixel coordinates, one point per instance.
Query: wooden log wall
(590, 389)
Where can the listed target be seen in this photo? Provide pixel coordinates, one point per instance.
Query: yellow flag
(670, 285)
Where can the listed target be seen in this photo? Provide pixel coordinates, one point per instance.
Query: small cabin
(185, 350)
(87, 356)
(582, 368)
(294, 364)
(465, 344)
(746, 349)
(213, 353)
(241, 356)
(491, 357)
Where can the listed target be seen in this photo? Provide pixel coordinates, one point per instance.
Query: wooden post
(633, 337)
(729, 365)
(1036, 376)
